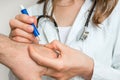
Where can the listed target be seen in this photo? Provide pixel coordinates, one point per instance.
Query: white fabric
(63, 32)
(102, 44)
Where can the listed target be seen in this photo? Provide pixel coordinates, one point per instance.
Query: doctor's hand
(70, 62)
(21, 30)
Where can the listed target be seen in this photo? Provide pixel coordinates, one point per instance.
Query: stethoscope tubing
(85, 31)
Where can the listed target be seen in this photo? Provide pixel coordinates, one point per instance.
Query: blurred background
(8, 10)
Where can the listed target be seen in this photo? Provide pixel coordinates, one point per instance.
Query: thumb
(33, 54)
(42, 60)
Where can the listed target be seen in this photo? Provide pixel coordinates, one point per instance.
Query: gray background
(8, 10)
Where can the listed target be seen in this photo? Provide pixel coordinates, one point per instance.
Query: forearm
(88, 69)
(8, 48)
(4, 45)
(15, 56)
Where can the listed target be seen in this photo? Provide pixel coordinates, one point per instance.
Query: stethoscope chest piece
(85, 34)
(50, 26)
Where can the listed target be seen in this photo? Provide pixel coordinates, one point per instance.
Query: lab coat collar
(79, 22)
(49, 7)
(52, 34)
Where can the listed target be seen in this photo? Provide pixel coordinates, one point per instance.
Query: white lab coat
(102, 44)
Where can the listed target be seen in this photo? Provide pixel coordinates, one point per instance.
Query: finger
(35, 20)
(56, 45)
(22, 33)
(36, 41)
(51, 72)
(42, 60)
(33, 77)
(58, 75)
(21, 39)
(25, 18)
(37, 78)
(18, 24)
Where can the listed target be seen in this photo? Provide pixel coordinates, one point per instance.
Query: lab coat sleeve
(103, 72)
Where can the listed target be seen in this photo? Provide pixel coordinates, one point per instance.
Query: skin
(66, 7)
(15, 56)
(70, 62)
(21, 29)
(59, 68)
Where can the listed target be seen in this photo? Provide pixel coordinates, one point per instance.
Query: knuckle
(17, 16)
(22, 17)
(16, 38)
(16, 32)
(32, 37)
(23, 26)
(11, 22)
(55, 42)
(21, 39)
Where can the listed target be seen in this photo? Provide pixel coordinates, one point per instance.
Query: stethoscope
(85, 32)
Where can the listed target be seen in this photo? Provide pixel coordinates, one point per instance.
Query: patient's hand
(15, 56)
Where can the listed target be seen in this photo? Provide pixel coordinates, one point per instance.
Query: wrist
(8, 50)
(4, 45)
(89, 72)
(86, 70)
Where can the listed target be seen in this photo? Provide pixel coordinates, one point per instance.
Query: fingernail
(31, 20)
